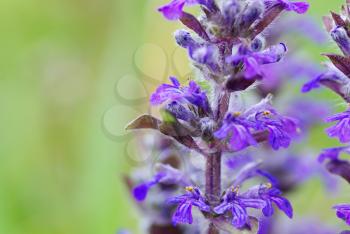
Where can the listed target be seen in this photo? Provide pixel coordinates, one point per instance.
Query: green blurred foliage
(59, 62)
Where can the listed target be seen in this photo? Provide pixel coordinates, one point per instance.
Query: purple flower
(309, 113)
(238, 127)
(237, 206)
(254, 60)
(335, 165)
(192, 197)
(140, 191)
(236, 130)
(270, 195)
(333, 153)
(281, 129)
(342, 129)
(180, 112)
(174, 92)
(343, 212)
(332, 79)
(174, 9)
(166, 175)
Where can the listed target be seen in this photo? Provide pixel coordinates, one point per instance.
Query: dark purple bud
(184, 39)
(179, 111)
(230, 10)
(207, 126)
(340, 168)
(252, 12)
(335, 165)
(341, 37)
(206, 55)
(257, 44)
(238, 83)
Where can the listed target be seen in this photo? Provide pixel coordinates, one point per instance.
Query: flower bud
(205, 55)
(252, 12)
(179, 111)
(257, 44)
(184, 39)
(231, 9)
(207, 126)
(341, 37)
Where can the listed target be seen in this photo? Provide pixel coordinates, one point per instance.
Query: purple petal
(140, 192)
(173, 10)
(343, 212)
(252, 68)
(300, 7)
(284, 205)
(239, 216)
(183, 214)
(313, 84)
(268, 209)
(222, 208)
(278, 138)
(342, 129)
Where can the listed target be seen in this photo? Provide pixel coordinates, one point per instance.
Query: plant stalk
(213, 184)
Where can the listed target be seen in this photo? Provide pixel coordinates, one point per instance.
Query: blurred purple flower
(165, 175)
(342, 129)
(335, 165)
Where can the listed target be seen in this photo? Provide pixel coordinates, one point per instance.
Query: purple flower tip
(343, 212)
(298, 7)
(140, 192)
(173, 10)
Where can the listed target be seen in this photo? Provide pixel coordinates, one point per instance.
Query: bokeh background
(70, 79)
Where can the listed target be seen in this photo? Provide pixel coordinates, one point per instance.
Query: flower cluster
(230, 54)
(337, 78)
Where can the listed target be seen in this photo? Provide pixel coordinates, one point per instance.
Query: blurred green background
(60, 61)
